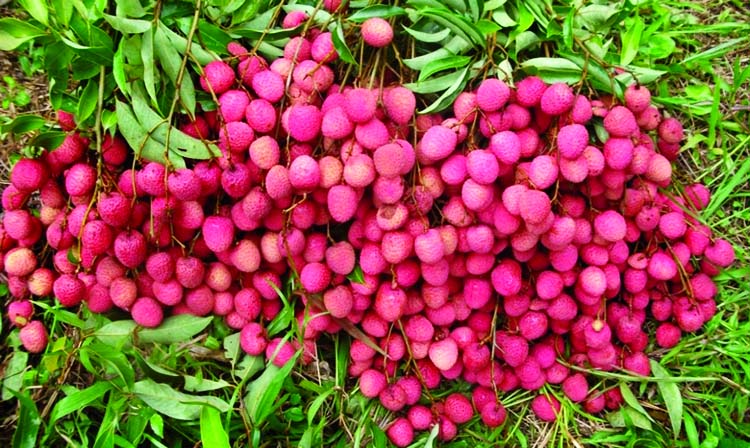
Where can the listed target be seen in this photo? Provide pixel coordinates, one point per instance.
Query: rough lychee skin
(529, 91)
(33, 336)
(671, 131)
(304, 122)
(20, 312)
(279, 352)
(371, 383)
(399, 103)
(444, 354)
(200, 301)
(546, 408)
(620, 122)
(720, 253)
(637, 98)
(342, 202)
(147, 312)
(401, 432)
(80, 179)
(253, 339)
(429, 246)
(315, 277)
(235, 137)
(304, 173)
(232, 105)
(114, 209)
(492, 94)
(389, 159)
(492, 414)
(336, 123)
(482, 166)
(575, 387)
(534, 206)
(322, 49)
(360, 104)
(218, 77)
(393, 397)
(572, 139)
(610, 225)
(69, 290)
(458, 408)
(20, 262)
(557, 99)
(130, 248)
(28, 175)
(268, 85)
(438, 143)
(150, 179)
(377, 32)
(667, 335)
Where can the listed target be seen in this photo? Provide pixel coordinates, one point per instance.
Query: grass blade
(670, 393)
(212, 433)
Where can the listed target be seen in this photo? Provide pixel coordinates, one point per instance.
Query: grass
(94, 387)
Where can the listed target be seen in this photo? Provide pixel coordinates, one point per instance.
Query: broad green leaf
(48, 140)
(487, 27)
(661, 46)
(503, 19)
(421, 36)
(139, 139)
(670, 393)
(23, 124)
(232, 347)
(631, 41)
(446, 63)
(596, 17)
(212, 432)
(79, 400)
(178, 328)
(171, 61)
(382, 11)
(262, 393)
(641, 74)
(525, 40)
(118, 69)
(213, 37)
(13, 375)
(130, 8)
(597, 75)
(14, 32)
(180, 43)
(339, 43)
(37, 9)
(128, 26)
(88, 100)
(27, 425)
(172, 403)
(117, 333)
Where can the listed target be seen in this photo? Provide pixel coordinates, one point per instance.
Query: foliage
(132, 66)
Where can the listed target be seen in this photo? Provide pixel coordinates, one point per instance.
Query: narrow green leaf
(79, 400)
(449, 95)
(193, 384)
(262, 392)
(63, 11)
(14, 32)
(312, 411)
(88, 100)
(339, 43)
(632, 401)
(128, 26)
(147, 56)
(130, 8)
(445, 63)
(458, 24)
(627, 416)
(170, 60)
(456, 45)
(429, 38)
(432, 437)
(382, 11)
(118, 69)
(212, 432)
(37, 9)
(27, 426)
(631, 41)
(172, 403)
(691, 431)
(137, 137)
(180, 43)
(437, 84)
(670, 393)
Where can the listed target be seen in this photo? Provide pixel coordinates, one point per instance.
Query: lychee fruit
(377, 32)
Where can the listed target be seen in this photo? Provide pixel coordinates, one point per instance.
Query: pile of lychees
(502, 244)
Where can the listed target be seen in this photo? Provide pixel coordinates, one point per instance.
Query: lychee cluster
(499, 245)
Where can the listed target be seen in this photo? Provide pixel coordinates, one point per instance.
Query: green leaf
(48, 140)
(128, 26)
(445, 63)
(180, 43)
(79, 400)
(23, 124)
(171, 61)
(178, 328)
(503, 19)
(432, 437)
(433, 85)
(147, 56)
(670, 393)
(14, 32)
(630, 399)
(137, 137)
(213, 37)
(382, 11)
(117, 333)
(63, 11)
(88, 100)
(118, 68)
(597, 17)
(339, 43)
(691, 431)
(172, 403)
(628, 416)
(27, 426)
(458, 24)
(429, 38)
(262, 392)
(37, 9)
(13, 375)
(212, 432)
(449, 95)
(456, 45)
(631, 41)
(193, 384)
(130, 8)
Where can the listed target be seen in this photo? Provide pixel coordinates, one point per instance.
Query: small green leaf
(445, 63)
(79, 400)
(357, 276)
(193, 384)
(631, 41)
(212, 432)
(312, 411)
(128, 26)
(630, 399)
(382, 11)
(13, 375)
(118, 69)
(628, 416)
(87, 102)
(48, 140)
(433, 436)
(37, 9)
(670, 393)
(262, 392)
(130, 8)
(147, 57)
(339, 43)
